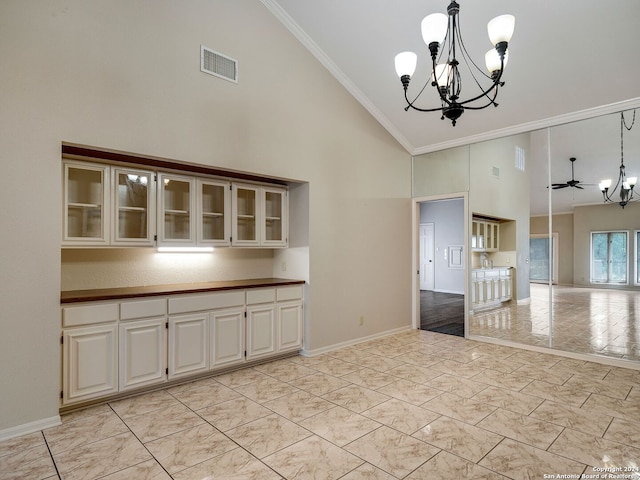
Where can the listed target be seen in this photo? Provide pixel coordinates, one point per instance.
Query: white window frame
(591, 281)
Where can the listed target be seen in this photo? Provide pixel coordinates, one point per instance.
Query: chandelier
(625, 183)
(445, 75)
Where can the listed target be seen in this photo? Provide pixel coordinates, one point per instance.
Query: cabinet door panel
(214, 209)
(143, 346)
(89, 362)
(245, 228)
(134, 207)
(260, 330)
(188, 352)
(86, 204)
(176, 210)
(290, 326)
(226, 331)
(274, 217)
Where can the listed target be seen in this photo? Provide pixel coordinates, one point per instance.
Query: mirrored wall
(574, 260)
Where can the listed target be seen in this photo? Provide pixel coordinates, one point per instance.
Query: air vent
(219, 65)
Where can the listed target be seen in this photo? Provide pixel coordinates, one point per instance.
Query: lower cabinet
(112, 347)
(188, 345)
(89, 362)
(142, 352)
(489, 288)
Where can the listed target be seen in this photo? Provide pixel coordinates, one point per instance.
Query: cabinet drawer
(89, 314)
(265, 295)
(289, 293)
(143, 309)
(208, 301)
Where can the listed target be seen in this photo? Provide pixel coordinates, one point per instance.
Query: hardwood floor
(442, 312)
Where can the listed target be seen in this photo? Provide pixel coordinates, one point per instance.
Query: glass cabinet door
(274, 217)
(245, 221)
(133, 212)
(176, 210)
(86, 196)
(214, 207)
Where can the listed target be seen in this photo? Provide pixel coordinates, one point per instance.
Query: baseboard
(30, 427)
(349, 343)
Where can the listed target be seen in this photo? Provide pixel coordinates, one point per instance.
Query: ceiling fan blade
(556, 186)
(578, 186)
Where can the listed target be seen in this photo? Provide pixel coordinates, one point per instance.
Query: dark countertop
(75, 296)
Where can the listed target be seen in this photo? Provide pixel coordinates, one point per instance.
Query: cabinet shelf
(246, 217)
(132, 209)
(213, 214)
(177, 212)
(84, 205)
(273, 219)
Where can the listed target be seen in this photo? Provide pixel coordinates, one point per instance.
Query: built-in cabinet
(107, 205)
(490, 287)
(111, 347)
(259, 217)
(484, 235)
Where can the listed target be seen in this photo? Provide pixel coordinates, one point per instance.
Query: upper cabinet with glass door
(274, 221)
(214, 212)
(176, 210)
(86, 204)
(134, 208)
(259, 216)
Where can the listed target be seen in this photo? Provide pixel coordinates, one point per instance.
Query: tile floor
(415, 405)
(602, 322)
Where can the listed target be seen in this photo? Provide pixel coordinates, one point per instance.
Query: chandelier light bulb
(434, 28)
(492, 60)
(406, 63)
(443, 70)
(501, 29)
(604, 184)
(632, 181)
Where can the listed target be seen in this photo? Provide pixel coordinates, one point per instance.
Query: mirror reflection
(572, 260)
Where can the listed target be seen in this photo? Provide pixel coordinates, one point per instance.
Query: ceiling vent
(215, 63)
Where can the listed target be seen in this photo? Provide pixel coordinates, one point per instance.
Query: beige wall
(125, 75)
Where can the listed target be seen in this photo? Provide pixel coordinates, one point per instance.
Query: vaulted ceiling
(568, 61)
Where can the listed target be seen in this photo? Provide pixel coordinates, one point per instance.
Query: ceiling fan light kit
(439, 28)
(625, 183)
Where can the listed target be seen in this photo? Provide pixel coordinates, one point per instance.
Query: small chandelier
(445, 77)
(625, 183)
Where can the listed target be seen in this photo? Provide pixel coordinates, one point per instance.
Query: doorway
(441, 258)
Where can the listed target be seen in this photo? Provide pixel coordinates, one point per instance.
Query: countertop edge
(95, 295)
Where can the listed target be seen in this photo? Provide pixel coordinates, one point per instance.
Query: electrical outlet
(361, 320)
(284, 266)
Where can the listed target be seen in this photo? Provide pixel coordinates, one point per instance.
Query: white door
(427, 255)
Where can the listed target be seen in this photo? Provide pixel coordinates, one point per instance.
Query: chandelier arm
(496, 85)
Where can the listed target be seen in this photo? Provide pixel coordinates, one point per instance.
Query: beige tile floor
(415, 405)
(593, 321)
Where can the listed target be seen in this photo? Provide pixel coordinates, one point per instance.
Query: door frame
(415, 254)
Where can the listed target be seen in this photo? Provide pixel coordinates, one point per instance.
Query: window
(539, 258)
(609, 257)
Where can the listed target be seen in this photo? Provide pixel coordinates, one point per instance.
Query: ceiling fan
(571, 183)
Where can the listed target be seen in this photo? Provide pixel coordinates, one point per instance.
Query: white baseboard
(30, 427)
(439, 290)
(349, 343)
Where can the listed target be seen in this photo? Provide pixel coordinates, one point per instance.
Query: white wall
(125, 75)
